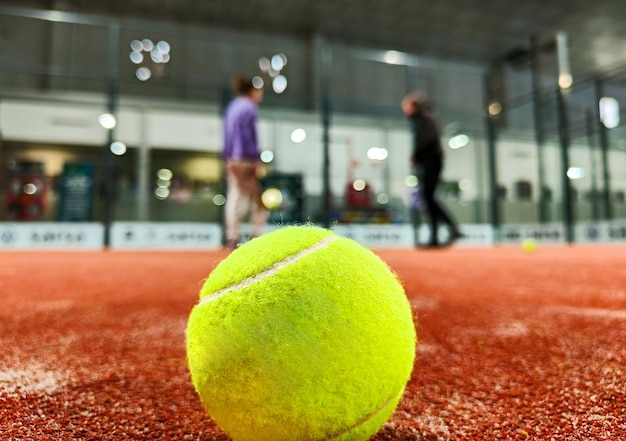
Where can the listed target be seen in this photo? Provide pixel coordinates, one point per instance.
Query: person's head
(245, 87)
(415, 102)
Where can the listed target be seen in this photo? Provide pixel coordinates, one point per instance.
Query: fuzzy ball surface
(301, 334)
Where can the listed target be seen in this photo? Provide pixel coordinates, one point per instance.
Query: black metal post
(594, 182)
(539, 126)
(492, 161)
(564, 139)
(225, 97)
(604, 150)
(108, 175)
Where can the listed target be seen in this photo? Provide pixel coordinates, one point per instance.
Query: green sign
(77, 193)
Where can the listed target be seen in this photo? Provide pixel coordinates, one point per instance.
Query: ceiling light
(458, 141)
(278, 62)
(575, 173)
(609, 112)
(118, 148)
(377, 154)
(143, 73)
(267, 156)
(359, 185)
(298, 135)
(107, 121)
(279, 84)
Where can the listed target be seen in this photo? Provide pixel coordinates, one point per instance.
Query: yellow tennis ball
(272, 198)
(529, 245)
(301, 335)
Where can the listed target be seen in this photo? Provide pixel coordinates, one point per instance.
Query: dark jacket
(426, 142)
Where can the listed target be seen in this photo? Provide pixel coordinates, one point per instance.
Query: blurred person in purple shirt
(242, 158)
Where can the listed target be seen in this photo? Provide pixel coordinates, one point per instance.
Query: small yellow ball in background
(272, 198)
(529, 245)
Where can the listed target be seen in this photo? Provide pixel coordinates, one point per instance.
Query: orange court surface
(513, 345)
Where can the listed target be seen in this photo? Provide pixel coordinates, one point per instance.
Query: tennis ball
(529, 245)
(272, 198)
(301, 335)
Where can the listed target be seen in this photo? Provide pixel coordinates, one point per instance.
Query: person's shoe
(456, 235)
(430, 245)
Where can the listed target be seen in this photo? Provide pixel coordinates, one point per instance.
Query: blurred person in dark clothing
(427, 161)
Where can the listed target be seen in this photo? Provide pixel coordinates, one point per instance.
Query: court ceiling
(467, 30)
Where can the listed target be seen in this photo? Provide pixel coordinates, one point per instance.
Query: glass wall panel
(616, 140)
(184, 186)
(171, 84)
(37, 177)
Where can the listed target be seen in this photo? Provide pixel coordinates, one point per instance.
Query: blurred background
(110, 114)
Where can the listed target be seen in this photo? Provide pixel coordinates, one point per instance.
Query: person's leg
(258, 212)
(251, 189)
(445, 217)
(428, 178)
(431, 177)
(236, 204)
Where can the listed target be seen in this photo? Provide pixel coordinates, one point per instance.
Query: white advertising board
(165, 236)
(51, 236)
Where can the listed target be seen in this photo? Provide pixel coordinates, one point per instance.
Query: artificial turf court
(512, 345)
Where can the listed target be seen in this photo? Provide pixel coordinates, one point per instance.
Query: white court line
(618, 314)
(31, 379)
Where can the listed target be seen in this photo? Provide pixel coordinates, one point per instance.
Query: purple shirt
(240, 138)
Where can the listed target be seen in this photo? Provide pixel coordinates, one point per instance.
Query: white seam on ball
(360, 422)
(270, 271)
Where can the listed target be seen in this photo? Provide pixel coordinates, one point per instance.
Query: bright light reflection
(118, 148)
(156, 56)
(136, 46)
(147, 44)
(279, 84)
(393, 57)
(107, 121)
(411, 181)
(164, 183)
(298, 136)
(30, 188)
(163, 47)
(264, 64)
(575, 173)
(219, 200)
(465, 184)
(609, 112)
(165, 174)
(495, 109)
(377, 154)
(565, 81)
(382, 198)
(162, 193)
(136, 57)
(258, 82)
(359, 185)
(277, 63)
(267, 156)
(458, 141)
(143, 73)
